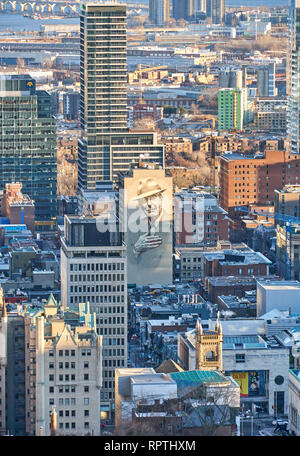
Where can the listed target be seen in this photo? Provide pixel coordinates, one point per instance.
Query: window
(86, 401)
(73, 412)
(72, 352)
(51, 401)
(86, 389)
(51, 389)
(73, 425)
(86, 364)
(51, 366)
(240, 358)
(73, 401)
(86, 425)
(51, 352)
(86, 413)
(86, 376)
(67, 401)
(51, 378)
(61, 353)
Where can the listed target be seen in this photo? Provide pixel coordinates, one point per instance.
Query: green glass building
(28, 145)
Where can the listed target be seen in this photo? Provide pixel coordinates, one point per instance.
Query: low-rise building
(280, 295)
(258, 363)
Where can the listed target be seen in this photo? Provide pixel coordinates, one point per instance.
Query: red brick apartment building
(252, 179)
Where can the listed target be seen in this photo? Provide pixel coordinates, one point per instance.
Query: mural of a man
(150, 201)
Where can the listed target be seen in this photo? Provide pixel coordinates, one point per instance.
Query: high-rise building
(293, 78)
(94, 269)
(215, 10)
(266, 81)
(232, 109)
(159, 11)
(28, 144)
(185, 9)
(106, 145)
(63, 370)
(232, 78)
(147, 219)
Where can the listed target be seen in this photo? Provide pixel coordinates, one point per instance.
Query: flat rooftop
(275, 285)
(151, 378)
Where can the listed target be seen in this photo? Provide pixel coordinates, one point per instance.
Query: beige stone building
(3, 362)
(63, 371)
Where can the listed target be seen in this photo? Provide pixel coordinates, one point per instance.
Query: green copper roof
(193, 379)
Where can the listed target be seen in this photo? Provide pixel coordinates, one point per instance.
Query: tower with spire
(208, 346)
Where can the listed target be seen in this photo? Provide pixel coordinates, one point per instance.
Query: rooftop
(189, 380)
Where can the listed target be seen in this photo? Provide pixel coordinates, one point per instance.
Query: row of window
(97, 278)
(68, 401)
(98, 299)
(97, 267)
(84, 352)
(68, 365)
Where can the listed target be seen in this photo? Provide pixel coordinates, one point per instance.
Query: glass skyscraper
(28, 145)
(106, 146)
(293, 78)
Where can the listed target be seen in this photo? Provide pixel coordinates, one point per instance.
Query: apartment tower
(293, 78)
(106, 146)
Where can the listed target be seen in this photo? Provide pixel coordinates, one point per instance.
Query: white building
(132, 385)
(280, 295)
(94, 269)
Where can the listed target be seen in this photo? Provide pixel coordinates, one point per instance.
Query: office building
(159, 11)
(232, 109)
(28, 145)
(266, 81)
(215, 11)
(293, 78)
(106, 146)
(94, 270)
(287, 251)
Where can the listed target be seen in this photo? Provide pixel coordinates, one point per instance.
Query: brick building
(234, 263)
(19, 208)
(252, 179)
(199, 220)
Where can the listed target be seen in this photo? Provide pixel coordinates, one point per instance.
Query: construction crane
(288, 221)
